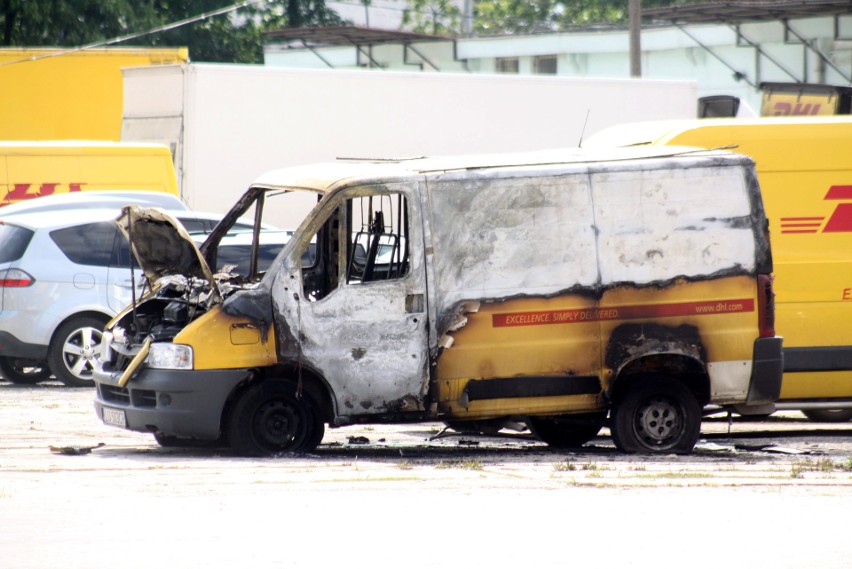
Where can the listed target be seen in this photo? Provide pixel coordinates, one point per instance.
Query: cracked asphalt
(76, 493)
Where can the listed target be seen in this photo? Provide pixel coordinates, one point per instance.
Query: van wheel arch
(312, 383)
(684, 369)
(271, 417)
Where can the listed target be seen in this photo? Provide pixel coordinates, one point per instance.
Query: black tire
(828, 415)
(656, 415)
(567, 431)
(24, 371)
(484, 426)
(73, 349)
(268, 419)
(168, 441)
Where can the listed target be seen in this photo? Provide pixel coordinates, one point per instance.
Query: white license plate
(115, 417)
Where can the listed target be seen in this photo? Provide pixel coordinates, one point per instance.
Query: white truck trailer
(229, 123)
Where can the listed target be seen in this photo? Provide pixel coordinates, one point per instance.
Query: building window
(506, 65)
(544, 64)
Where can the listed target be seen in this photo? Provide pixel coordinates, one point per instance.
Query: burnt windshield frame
(209, 249)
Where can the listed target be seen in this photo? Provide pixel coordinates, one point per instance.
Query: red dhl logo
(840, 220)
(783, 109)
(19, 192)
(579, 315)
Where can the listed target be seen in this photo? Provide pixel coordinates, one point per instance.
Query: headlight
(169, 356)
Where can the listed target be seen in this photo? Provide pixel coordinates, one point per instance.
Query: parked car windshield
(13, 242)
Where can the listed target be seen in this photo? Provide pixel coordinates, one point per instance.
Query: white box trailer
(229, 123)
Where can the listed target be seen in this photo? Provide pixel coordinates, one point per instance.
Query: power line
(121, 39)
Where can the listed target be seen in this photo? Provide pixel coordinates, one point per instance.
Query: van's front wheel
(567, 431)
(269, 419)
(656, 415)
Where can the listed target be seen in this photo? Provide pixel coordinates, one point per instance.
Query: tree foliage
(237, 37)
(436, 17)
(522, 16)
(233, 37)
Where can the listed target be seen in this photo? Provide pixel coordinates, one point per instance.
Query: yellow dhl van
(804, 99)
(553, 288)
(805, 170)
(32, 169)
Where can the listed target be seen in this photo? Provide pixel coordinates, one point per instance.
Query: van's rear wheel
(828, 415)
(656, 415)
(567, 431)
(23, 370)
(269, 419)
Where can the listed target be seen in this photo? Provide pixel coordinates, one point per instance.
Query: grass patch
(460, 464)
(823, 465)
(796, 471)
(677, 475)
(565, 466)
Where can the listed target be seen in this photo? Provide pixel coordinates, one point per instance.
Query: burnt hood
(162, 246)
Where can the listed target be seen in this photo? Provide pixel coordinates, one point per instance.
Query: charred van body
(564, 289)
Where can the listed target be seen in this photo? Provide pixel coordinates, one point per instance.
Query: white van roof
(323, 177)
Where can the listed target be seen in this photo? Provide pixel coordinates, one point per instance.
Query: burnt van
(567, 289)
(804, 167)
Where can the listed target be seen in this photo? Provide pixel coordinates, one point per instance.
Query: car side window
(378, 243)
(237, 256)
(195, 225)
(87, 244)
(372, 247)
(13, 242)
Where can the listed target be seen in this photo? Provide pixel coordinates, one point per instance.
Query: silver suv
(63, 275)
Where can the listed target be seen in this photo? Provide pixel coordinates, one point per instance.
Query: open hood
(162, 246)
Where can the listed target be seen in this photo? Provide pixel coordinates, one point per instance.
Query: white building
(729, 48)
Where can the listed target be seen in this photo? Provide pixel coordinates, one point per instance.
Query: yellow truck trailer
(40, 168)
(56, 94)
(805, 170)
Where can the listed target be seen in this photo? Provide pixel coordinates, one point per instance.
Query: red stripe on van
(578, 315)
(841, 219)
(839, 193)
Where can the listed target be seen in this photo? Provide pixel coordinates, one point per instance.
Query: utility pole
(366, 4)
(634, 14)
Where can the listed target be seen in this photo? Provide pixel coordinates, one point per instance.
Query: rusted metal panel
(654, 226)
(543, 252)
